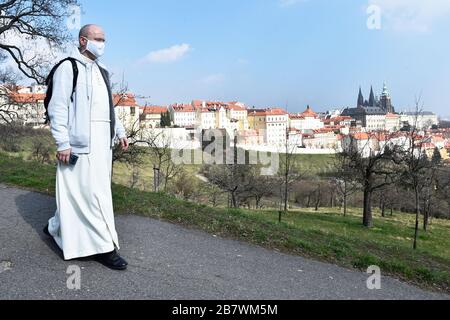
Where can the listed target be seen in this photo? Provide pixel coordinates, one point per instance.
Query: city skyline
(277, 53)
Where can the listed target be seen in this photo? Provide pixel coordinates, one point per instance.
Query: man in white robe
(83, 224)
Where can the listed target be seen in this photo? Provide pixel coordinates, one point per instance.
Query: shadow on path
(36, 210)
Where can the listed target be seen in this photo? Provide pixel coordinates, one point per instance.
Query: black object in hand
(73, 159)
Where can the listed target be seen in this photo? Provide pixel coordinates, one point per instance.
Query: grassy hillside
(325, 235)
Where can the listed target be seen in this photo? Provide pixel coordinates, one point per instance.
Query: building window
(133, 111)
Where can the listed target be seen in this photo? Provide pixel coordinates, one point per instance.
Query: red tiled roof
(183, 108)
(257, 112)
(276, 111)
(154, 110)
(267, 112)
(337, 119)
(392, 115)
(235, 107)
(27, 97)
(324, 130)
(124, 100)
(197, 103)
(309, 113)
(296, 116)
(360, 136)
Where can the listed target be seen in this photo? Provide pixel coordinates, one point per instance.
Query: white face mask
(97, 48)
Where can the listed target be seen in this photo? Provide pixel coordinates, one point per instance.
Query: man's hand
(64, 155)
(124, 144)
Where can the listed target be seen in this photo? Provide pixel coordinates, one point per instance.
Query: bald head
(90, 32)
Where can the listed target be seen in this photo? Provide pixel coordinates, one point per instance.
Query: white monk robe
(83, 224)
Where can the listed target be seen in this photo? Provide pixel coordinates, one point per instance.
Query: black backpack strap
(49, 83)
(75, 74)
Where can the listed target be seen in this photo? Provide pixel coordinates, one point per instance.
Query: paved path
(167, 262)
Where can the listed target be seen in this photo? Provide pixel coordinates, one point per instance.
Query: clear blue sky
(273, 52)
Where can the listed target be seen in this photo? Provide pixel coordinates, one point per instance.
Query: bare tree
(375, 166)
(236, 179)
(134, 157)
(160, 148)
(8, 109)
(263, 186)
(344, 180)
(41, 149)
(415, 167)
(40, 26)
(289, 171)
(211, 193)
(185, 185)
(43, 20)
(318, 195)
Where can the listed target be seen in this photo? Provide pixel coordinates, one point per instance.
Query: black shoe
(112, 260)
(46, 231)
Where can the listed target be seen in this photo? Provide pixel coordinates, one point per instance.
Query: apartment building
(183, 115)
(306, 121)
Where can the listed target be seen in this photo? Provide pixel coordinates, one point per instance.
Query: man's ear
(83, 41)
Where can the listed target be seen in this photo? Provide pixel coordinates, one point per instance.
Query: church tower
(360, 99)
(372, 98)
(385, 100)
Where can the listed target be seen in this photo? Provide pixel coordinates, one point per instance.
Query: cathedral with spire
(372, 112)
(382, 104)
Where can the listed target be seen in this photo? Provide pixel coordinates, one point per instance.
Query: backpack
(49, 83)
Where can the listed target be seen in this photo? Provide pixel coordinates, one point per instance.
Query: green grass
(315, 163)
(311, 164)
(324, 235)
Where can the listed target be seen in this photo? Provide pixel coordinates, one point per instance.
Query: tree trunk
(234, 200)
(286, 195)
(383, 207)
(257, 201)
(426, 215)
(416, 229)
(425, 220)
(345, 205)
(319, 195)
(367, 213)
(426, 212)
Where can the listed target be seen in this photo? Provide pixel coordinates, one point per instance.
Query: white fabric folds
(83, 224)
